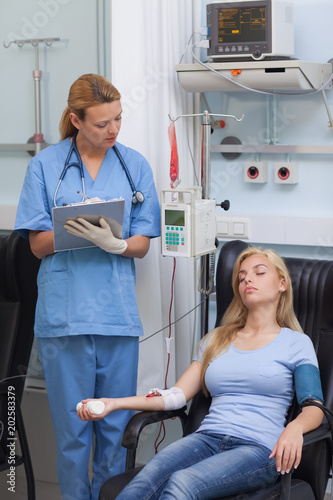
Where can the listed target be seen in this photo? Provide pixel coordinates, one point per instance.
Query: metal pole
(330, 122)
(37, 76)
(205, 155)
(37, 139)
(205, 184)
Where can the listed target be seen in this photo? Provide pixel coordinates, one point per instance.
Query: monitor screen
(240, 28)
(242, 24)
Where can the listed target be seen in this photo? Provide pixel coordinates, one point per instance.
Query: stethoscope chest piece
(138, 197)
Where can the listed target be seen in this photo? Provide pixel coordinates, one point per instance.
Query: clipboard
(112, 211)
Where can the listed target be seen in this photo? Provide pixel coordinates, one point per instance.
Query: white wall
(301, 120)
(80, 50)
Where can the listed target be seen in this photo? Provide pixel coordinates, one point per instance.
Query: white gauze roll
(173, 398)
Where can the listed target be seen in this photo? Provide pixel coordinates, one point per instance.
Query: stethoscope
(137, 196)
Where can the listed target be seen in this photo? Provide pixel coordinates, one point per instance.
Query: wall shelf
(271, 149)
(289, 75)
(29, 147)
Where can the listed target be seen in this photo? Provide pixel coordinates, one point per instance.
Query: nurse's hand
(101, 235)
(85, 414)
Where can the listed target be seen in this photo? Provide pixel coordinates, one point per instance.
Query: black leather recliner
(18, 294)
(313, 302)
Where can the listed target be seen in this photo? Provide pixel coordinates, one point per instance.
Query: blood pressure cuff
(307, 383)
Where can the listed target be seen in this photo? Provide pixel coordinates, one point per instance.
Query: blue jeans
(203, 466)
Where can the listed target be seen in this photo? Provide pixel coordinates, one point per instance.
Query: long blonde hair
(87, 91)
(234, 318)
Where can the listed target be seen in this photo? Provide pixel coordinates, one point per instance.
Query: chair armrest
(322, 432)
(138, 422)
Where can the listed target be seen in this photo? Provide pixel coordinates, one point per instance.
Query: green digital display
(175, 217)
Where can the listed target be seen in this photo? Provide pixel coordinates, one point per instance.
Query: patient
(251, 366)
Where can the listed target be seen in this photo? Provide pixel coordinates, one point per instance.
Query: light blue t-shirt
(252, 390)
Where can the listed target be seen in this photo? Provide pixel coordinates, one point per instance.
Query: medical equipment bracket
(271, 77)
(36, 143)
(284, 75)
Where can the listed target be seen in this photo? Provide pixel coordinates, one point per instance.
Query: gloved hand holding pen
(101, 235)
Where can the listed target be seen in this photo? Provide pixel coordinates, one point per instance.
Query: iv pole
(205, 184)
(207, 261)
(37, 140)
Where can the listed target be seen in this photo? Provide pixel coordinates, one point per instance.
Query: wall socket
(233, 227)
(286, 172)
(255, 171)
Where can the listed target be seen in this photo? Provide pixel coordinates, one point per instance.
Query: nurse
(87, 321)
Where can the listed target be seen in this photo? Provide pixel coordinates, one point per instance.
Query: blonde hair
(87, 91)
(234, 318)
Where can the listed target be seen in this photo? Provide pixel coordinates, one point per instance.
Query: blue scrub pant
(80, 367)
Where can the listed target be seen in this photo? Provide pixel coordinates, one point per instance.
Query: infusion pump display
(176, 231)
(188, 223)
(175, 217)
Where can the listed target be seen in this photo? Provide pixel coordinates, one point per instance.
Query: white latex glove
(101, 235)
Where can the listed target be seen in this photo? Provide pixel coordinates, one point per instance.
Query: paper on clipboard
(112, 211)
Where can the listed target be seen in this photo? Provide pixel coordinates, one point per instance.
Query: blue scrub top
(87, 291)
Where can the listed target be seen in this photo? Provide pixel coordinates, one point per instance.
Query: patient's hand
(84, 413)
(288, 448)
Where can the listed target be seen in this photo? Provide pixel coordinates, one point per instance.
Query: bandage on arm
(307, 383)
(173, 398)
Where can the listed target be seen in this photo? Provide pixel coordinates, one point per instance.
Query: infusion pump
(188, 223)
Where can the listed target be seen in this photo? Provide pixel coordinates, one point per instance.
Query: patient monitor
(254, 29)
(188, 223)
